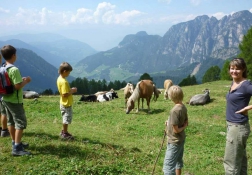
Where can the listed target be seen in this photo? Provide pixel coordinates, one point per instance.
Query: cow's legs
(148, 104)
(138, 101)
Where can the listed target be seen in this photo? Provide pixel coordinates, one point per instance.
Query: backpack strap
(6, 67)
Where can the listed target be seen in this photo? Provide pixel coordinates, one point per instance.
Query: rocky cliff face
(183, 44)
(203, 37)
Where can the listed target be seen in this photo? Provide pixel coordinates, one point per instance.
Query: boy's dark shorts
(15, 115)
(2, 109)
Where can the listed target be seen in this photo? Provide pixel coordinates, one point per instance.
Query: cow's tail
(156, 93)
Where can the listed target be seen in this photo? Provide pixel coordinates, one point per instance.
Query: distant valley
(187, 48)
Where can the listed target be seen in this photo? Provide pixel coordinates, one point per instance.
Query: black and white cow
(112, 94)
(89, 98)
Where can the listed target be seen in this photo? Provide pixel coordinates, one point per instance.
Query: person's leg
(18, 136)
(170, 159)
(4, 132)
(178, 171)
(235, 149)
(4, 122)
(65, 128)
(180, 163)
(12, 131)
(66, 113)
(245, 131)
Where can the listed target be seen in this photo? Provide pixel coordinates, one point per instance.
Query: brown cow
(144, 89)
(167, 84)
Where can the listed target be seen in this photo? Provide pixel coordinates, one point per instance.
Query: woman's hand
(244, 110)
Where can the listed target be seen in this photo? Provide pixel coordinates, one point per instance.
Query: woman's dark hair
(240, 64)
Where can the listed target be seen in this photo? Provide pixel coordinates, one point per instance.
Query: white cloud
(195, 2)
(103, 9)
(82, 15)
(124, 17)
(174, 19)
(250, 10)
(104, 14)
(219, 15)
(165, 1)
(4, 10)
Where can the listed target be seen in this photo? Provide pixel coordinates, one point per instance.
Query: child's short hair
(175, 93)
(8, 51)
(65, 67)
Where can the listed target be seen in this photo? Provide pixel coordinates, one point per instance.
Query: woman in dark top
(238, 128)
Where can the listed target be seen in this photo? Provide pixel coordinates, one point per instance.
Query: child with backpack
(13, 103)
(4, 130)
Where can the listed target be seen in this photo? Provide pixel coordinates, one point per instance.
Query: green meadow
(110, 142)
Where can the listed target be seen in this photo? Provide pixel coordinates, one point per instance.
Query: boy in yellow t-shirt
(66, 98)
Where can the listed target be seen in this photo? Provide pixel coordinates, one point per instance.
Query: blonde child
(176, 124)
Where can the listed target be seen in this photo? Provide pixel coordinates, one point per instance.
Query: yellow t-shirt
(64, 87)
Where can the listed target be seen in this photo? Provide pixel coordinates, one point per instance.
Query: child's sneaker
(25, 145)
(5, 133)
(66, 135)
(18, 150)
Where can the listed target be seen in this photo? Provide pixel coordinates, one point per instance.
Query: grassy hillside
(108, 141)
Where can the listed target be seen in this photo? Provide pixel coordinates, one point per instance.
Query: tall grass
(110, 142)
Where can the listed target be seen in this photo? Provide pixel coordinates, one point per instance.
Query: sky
(103, 24)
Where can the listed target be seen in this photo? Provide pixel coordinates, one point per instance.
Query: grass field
(110, 142)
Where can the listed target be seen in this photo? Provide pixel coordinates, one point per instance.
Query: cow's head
(130, 106)
(114, 95)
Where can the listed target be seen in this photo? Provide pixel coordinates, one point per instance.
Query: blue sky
(103, 24)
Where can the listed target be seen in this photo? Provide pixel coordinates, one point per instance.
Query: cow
(200, 99)
(128, 90)
(112, 94)
(167, 84)
(89, 98)
(100, 92)
(30, 94)
(144, 89)
(104, 97)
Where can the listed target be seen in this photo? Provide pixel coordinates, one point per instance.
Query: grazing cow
(156, 93)
(128, 90)
(89, 98)
(30, 94)
(144, 89)
(200, 99)
(167, 84)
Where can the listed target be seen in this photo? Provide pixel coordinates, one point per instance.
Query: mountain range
(202, 40)
(187, 48)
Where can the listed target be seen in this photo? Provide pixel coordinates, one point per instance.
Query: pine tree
(212, 74)
(145, 76)
(224, 75)
(246, 51)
